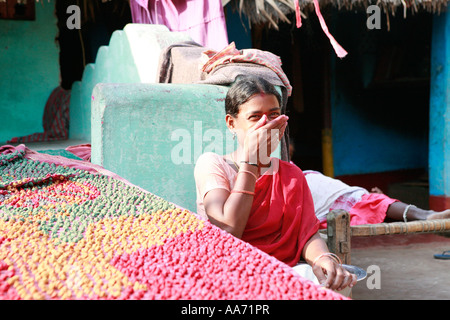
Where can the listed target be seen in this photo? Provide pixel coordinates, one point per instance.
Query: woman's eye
(254, 117)
(274, 115)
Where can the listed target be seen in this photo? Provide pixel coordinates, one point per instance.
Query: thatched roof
(273, 11)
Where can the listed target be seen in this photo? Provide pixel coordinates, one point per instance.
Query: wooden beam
(422, 226)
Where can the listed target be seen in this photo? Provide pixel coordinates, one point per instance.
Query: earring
(234, 135)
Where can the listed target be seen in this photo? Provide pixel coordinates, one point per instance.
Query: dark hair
(243, 89)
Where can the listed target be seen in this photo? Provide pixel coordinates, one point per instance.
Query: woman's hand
(332, 275)
(263, 138)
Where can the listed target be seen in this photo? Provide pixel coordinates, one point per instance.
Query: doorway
(78, 47)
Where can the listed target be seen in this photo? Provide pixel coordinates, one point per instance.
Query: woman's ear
(229, 120)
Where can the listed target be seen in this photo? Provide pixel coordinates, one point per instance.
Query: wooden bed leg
(338, 232)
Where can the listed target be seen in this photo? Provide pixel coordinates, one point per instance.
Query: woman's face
(251, 112)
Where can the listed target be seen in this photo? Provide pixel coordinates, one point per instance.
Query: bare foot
(439, 215)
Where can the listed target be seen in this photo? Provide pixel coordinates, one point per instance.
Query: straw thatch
(272, 12)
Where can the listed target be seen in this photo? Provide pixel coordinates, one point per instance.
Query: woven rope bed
(69, 233)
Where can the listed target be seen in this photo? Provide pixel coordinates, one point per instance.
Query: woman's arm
(327, 270)
(230, 211)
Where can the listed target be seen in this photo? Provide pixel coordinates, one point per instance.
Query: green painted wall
(152, 134)
(29, 71)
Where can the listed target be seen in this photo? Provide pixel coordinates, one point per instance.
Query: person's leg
(396, 210)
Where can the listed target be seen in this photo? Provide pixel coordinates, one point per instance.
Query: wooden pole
(327, 138)
(338, 234)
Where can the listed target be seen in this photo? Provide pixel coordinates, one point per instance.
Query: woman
(263, 200)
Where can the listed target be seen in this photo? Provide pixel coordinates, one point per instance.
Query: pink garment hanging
(298, 16)
(203, 20)
(139, 11)
(340, 52)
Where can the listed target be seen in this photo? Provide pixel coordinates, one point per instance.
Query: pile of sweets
(68, 233)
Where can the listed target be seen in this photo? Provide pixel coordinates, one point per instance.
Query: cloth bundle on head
(232, 55)
(189, 62)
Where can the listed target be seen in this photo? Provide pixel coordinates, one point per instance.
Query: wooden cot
(339, 232)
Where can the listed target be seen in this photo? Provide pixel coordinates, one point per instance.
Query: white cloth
(305, 271)
(325, 191)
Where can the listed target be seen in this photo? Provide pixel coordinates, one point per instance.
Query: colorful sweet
(70, 234)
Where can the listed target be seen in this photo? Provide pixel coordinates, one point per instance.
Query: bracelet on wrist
(334, 257)
(249, 172)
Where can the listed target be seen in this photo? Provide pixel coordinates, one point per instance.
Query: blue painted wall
(376, 127)
(29, 71)
(439, 151)
(238, 29)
